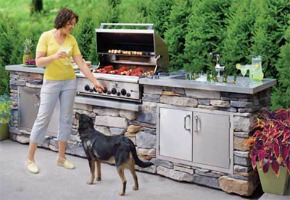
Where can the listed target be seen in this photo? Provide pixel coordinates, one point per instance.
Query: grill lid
(131, 42)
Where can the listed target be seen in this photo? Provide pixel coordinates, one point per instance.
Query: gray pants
(51, 92)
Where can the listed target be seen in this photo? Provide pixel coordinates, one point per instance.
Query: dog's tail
(138, 162)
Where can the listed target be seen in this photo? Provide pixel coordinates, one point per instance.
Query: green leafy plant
(5, 109)
(270, 143)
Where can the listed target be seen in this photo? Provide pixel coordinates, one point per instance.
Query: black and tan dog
(99, 147)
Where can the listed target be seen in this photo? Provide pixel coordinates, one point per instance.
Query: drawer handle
(187, 116)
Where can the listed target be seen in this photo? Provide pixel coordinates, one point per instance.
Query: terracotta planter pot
(273, 184)
(4, 131)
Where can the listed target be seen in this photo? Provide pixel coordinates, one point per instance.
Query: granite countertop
(21, 68)
(243, 85)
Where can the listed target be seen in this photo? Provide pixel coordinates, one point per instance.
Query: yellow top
(60, 69)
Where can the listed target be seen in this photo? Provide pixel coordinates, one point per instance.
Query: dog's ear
(77, 115)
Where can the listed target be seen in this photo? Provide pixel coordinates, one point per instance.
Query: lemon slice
(238, 66)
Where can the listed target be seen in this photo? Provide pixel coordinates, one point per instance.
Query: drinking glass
(244, 70)
(67, 50)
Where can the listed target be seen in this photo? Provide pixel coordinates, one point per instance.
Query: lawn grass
(96, 9)
(36, 23)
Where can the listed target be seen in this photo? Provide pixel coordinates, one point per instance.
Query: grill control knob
(87, 88)
(123, 92)
(128, 94)
(105, 90)
(109, 92)
(114, 91)
(92, 89)
(118, 93)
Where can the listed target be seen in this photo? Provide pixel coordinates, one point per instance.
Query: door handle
(36, 94)
(197, 125)
(187, 116)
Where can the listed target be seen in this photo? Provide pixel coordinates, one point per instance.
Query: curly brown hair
(64, 16)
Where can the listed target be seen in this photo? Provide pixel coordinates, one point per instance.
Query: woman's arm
(42, 60)
(87, 72)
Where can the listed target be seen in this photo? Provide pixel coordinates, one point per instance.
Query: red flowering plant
(269, 144)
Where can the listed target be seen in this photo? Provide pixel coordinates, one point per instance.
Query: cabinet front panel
(28, 105)
(211, 139)
(175, 136)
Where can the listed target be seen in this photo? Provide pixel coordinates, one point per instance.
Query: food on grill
(105, 69)
(118, 51)
(124, 70)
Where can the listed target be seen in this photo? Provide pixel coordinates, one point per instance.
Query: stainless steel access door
(28, 104)
(175, 133)
(211, 139)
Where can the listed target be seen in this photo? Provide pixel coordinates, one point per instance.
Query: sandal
(32, 167)
(66, 164)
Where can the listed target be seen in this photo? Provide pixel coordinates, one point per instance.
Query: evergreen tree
(139, 12)
(113, 5)
(281, 96)
(177, 29)
(143, 9)
(239, 34)
(206, 33)
(110, 12)
(269, 27)
(9, 46)
(85, 37)
(159, 15)
(263, 42)
(36, 6)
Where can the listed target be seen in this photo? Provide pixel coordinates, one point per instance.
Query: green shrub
(206, 32)
(10, 49)
(36, 6)
(159, 13)
(266, 42)
(176, 32)
(238, 39)
(281, 96)
(4, 81)
(114, 11)
(5, 109)
(138, 9)
(86, 36)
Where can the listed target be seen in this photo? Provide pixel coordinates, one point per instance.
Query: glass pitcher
(256, 72)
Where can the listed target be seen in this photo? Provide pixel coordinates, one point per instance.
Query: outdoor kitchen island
(192, 131)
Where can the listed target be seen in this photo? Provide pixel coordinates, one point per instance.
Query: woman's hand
(87, 72)
(42, 60)
(60, 54)
(98, 86)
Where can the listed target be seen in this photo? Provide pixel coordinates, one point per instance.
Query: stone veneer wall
(113, 122)
(244, 107)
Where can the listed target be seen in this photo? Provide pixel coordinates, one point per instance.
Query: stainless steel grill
(125, 55)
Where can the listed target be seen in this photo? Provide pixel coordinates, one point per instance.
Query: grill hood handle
(157, 67)
(148, 25)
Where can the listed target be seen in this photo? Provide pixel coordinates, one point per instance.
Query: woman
(59, 84)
